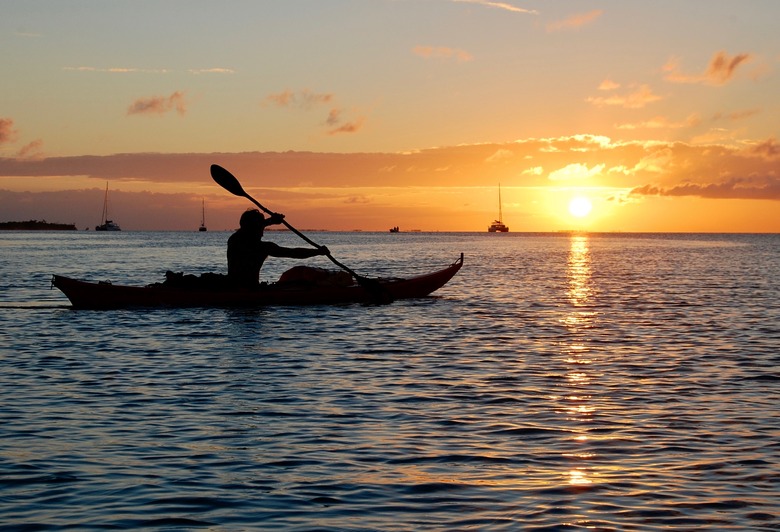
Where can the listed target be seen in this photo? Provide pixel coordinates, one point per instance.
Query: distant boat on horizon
(498, 226)
(395, 229)
(106, 224)
(203, 218)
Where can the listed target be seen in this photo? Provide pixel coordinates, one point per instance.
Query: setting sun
(580, 207)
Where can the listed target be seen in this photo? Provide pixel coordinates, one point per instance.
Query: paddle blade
(227, 180)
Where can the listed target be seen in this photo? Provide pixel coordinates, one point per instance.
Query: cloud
(768, 149)
(117, 70)
(608, 85)
(303, 99)
(212, 71)
(348, 127)
(716, 135)
(736, 115)
(307, 185)
(310, 99)
(334, 117)
(656, 161)
(357, 199)
(442, 52)
(32, 150)
(500, 5)
(720, 70)
(722, 67)
(7, 132)
(133, 70)
(637, 98)
(281, 99)
(575, 21)
(336, 122)
(662, 122)
(500, 155)
(306, 100)
(620, 169)
(540, 162)
(159, 105)
(753, 188)
(575, 171)
(536, 170)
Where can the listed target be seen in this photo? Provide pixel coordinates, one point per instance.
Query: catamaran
(498, 226)
(106, 224)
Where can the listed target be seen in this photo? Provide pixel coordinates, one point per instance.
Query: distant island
(36, 225)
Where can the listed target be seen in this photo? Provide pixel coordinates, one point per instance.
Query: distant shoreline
(36, 225)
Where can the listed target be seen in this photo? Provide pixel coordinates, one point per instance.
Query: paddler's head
(252, 220)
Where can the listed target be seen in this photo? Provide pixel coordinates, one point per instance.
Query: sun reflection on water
(578, 477)
(579, 270)
(580, 407)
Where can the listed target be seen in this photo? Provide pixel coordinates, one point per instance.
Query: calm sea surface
(559, 382)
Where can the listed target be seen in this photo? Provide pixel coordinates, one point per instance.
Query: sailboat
(106, 224)
(203, 218)
(498, 226)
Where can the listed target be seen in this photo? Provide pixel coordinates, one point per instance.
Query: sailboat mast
(203, 216)
(105, 205)
(500, 217)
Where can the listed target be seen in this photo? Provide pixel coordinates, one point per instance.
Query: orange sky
(374, 113)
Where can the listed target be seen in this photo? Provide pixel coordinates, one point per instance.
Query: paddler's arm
(274, 219)
(297, 253)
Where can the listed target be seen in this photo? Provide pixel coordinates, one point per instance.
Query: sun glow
(580, 207)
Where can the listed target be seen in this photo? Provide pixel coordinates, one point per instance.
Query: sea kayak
(106, 295)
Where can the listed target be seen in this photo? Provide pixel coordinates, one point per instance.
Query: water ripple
(558, 383)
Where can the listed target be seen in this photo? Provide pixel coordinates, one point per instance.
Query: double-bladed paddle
(230, 183)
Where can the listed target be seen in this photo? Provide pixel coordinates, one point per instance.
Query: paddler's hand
(275, 219)
(323, 250)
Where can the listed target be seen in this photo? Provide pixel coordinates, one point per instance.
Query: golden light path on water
(581, 407)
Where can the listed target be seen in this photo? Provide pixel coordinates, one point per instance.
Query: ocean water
(558, 382)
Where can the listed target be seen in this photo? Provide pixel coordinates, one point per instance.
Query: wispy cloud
(662, 122)
(217, 70)
(722, 67)
(500, 5)
(736, 115)
(116, 70)
(28, 34)
(638, 97)
(159, 105)
(575, 171)
(307, 100)
(575, 21)
(7, 132)
(338, 124)
(767, 188)
(32, 150)
(720, 70)
(334, 117)
(442, 52)
(348, 127)
(608, 85)
(500, 155)
(769, 149)
(136, 70)
(303, 99)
